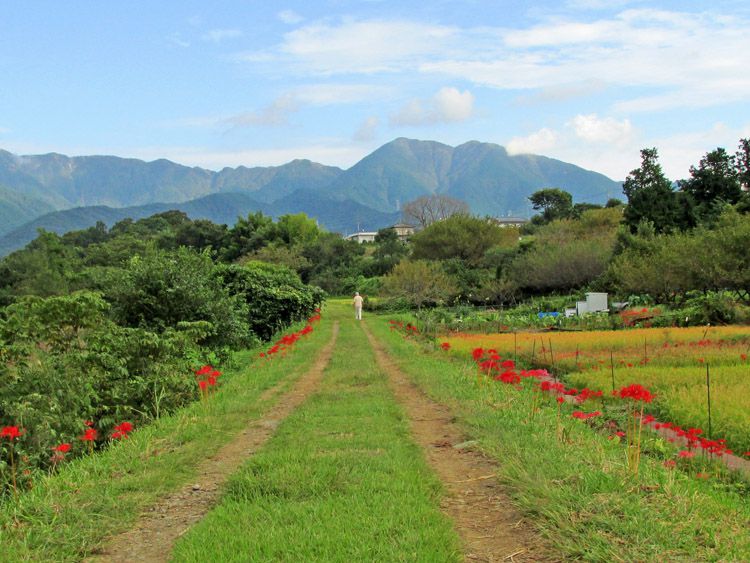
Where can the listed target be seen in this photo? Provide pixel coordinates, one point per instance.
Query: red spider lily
(648, 419)
(635, 392)
(446, 346)
(670, 464)
(584, 416)
(262, 355)
(11, 432)
(88, 423)
(509, 376)
(124, 427)
(538, 373)
(747, 454)
(89, 435)
(477, 354)
(203, 384)
(204, 370)
(686, 454)
(560, 400)
(743, 357)
(62, 448)
(508, 364)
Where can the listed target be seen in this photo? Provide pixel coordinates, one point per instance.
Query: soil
(491, 529)
(152, 537)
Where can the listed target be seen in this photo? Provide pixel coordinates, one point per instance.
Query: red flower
(124, 427)
(560, 400)
(670, 464)
(743, 357)
(88, 423)
(446, 346)
(203, 385)
(89, 435)
(508, 364)
(62, 448)
(204, 370)
(477, 353)
(686, 454)
(11, 432)
(648, 419)
(620, 433)
(635, 392)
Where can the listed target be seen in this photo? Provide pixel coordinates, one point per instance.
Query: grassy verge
(67, 515)
(341, 480)
(578, 489)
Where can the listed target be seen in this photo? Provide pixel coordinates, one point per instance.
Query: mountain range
(60, 193)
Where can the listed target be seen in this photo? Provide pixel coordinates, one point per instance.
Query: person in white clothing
(357, 305)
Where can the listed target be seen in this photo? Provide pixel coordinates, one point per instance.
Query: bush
(162, 289)
(273, 296)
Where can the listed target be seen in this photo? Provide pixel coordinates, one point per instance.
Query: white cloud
(538, 142)
(607, 130)
(613, 147)
(219, 35)
(176, 39)
(367, 130)
(276, 113)
(290, 17)
(355, 46)
(449, 105)
(331, 93)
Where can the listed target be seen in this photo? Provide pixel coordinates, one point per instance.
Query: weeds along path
(154, 534)
(491, 528)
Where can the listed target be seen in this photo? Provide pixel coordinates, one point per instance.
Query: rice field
(670, 362)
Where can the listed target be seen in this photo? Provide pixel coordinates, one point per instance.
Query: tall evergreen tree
(713, 182)
(651, 197)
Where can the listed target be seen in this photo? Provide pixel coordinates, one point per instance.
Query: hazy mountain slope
(18, 208)
(224, 208)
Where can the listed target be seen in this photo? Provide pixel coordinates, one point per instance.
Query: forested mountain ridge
(367, 195)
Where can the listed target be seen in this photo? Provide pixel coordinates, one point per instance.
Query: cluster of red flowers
(206, 378)
(407, 329)
(122, 431)
(635, 392)
(492, 365)
(693, 438)
(632, 316)
(288, 340)
(446, 346)
(11, 432)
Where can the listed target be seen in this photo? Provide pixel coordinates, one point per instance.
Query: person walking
(357, 305)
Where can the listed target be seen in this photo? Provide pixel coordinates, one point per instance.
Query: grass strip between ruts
(66, 516)
(579, 491)
(341, 480)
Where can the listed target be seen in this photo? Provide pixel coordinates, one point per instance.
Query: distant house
(362, 236)
(403, 231)
(509, 221)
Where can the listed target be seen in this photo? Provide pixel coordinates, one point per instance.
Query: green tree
(163, 289)
(714, 182)
(419, 283)
(248, 235)
(459, 236)
(297, 229)
(651, 197)
(554, 203)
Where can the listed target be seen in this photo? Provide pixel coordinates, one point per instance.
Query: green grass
(578, 491)
(67, 515)
(341, 480)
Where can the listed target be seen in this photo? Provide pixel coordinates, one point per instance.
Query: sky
(258, 83)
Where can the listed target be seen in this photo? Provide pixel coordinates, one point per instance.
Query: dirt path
(153, 535)
(492, 530)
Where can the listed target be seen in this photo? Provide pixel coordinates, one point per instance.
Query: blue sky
(253, 82)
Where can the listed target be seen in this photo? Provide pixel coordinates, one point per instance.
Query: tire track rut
(491, 528)
(153, 535)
